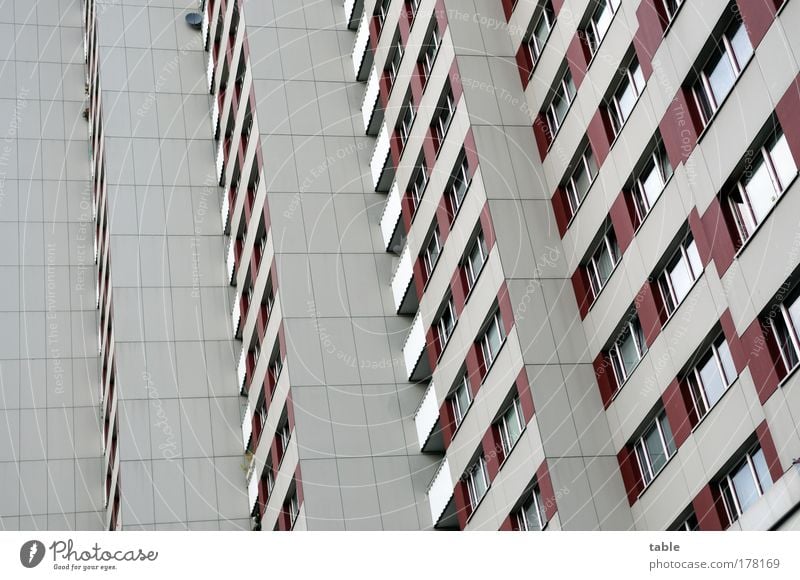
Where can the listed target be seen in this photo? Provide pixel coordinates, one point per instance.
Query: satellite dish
(194, 19)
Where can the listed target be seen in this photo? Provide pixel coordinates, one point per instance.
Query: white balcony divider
(415, 344)
(214, 116)
(220, 157)
(252, 487)
(440, 491)
(371, 93)
(241, 370)
(210, 68)
(426, 416)
(380, 155)
(247, 426)
(231, 261)
(205, 27)
(402, 277)
(349, 5)
(226, 208)
(236, 313)
(391, 215)
(361, 42)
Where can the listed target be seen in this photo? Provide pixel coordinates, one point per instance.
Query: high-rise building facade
(404, 264)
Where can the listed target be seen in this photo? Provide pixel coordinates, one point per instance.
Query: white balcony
(247, 426)
(252, 489)
(371, 94)
(391, 218)
(361, 46)
(414, 346)
(215, 117)
(352, 12)
(241, 371)
(220, 158)
(440, 491)
(236, 313)
(426, 416)
(225, 211)
(380, 155)
(205, 27)
(210, 69)
(231, 260)
(402, 278)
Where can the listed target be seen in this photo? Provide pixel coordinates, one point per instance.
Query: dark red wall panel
(757, 16)
(788, 113)
(770, 452)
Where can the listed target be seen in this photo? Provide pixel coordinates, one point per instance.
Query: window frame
(618, 120)
(566, 90)
(728, 490)
(668, 447)
(586, 163)
(459, 176)
(471, 276)
(430, 50)
(747, 224)
(503, 425)
(445, 330)
(621, 374)
(456, 403)
(416, 187)
(609, 243)
(791, 360)
(665, 282)
(707, 102)
(441, 127)
(697, 389)
(489, 357)
(476, 468)
(406, 123)
(394, 62)
(534, 499)
(548, 17)
(591, 31)
(428, 262)
(641, 202)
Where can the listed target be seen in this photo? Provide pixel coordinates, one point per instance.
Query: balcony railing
(440, 491)
(371, 93)
(414, 346)
(379, 156)
(402, 278)
(361, 45)
(391, 218)
(426, 416)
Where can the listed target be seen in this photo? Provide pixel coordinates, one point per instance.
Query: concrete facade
(400, 264)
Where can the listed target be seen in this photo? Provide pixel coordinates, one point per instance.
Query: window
(446, 323)
(406, 121)
(432, 251)
(460, 400)
(626, 95)
(418, 183)
(284, 434)
(767, 175)
(541, 31)
(429, 51)
(412, 6)
(581, 179)
(671, 8)
(687, 524)
(459, 183)
(627, 350)
(745, 483)
(531, 517)
(393, 66)
(722, 69)
(599, 22)
(563, 95)
(650, 182)
(510, 426)
(477, 481)
(654, 448)
(275, 368)
(381, 11)
(786, 326)
(269, 481)
(710, 377)
(603, 261)
(443, 116)
(492, 339)
(679, 274)
(293, 509)
(476, 258)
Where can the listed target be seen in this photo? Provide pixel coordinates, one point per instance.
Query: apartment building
(402, 264)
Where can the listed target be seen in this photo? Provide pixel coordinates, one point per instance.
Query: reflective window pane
(721, 77)
(744, 486)
(783, 161)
